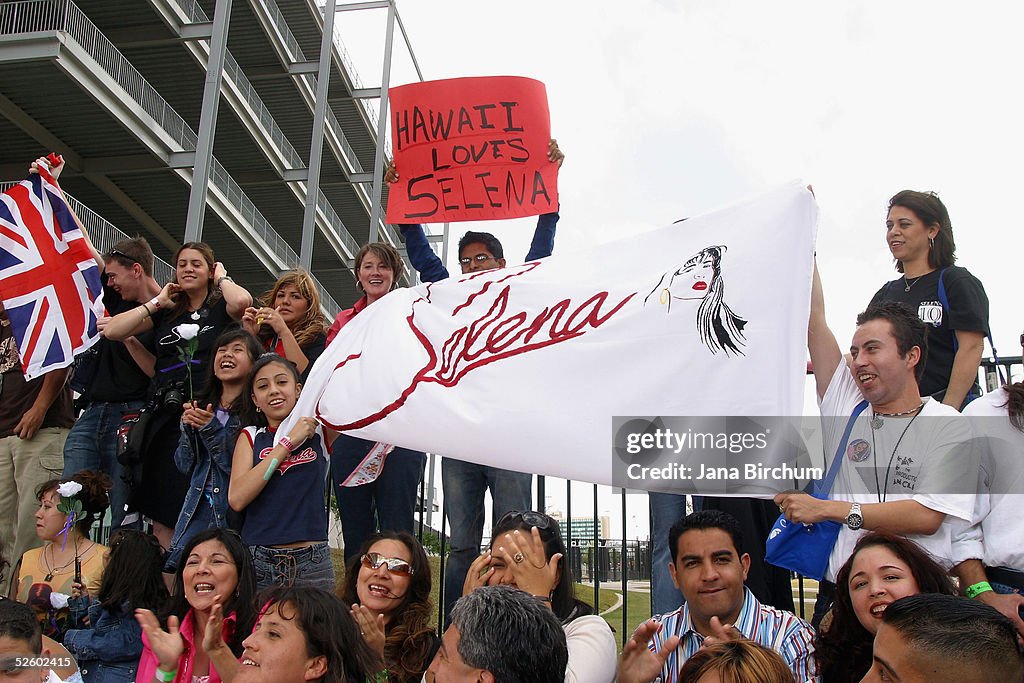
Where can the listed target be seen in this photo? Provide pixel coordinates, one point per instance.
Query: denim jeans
(204, 517)
(92, 445)
(307, 566)
(464, 484)
(666, 510)
(388, 503)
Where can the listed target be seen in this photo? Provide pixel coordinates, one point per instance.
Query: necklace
(876, 418)
(879, 491)
(910, 284)
(52, 571)
(195, 314)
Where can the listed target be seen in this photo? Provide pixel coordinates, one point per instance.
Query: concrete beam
(20, 118)
(134, 210)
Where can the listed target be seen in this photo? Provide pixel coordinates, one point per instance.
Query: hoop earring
(931, 243)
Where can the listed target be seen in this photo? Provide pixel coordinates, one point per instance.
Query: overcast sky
(669, 109)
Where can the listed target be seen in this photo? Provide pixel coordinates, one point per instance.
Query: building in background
(146, 98)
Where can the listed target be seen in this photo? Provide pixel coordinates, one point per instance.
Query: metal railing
(104, 234)
(223, 181)
(195, 14)
(27, 16)
(350, 67)
(295, 54)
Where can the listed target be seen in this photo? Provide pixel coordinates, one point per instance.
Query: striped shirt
(784, 632)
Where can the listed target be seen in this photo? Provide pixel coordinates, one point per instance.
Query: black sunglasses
(121, 254)
(530, 519)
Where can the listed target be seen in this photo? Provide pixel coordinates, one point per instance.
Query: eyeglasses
(530, 518)
(395, 565)
(479, 258)
(118, 252)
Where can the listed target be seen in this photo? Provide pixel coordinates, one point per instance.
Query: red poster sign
(470, 149)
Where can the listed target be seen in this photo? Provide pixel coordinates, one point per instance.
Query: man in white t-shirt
(908, 465)
(991, 552)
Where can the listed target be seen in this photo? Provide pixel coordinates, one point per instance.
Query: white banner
(523, 368)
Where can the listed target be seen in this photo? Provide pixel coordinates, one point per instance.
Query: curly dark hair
(410, 640)
(844, 647)
(93, 496)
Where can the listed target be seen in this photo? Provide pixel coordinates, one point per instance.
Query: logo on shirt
(859, 450)
(303, 457)
(930, 312)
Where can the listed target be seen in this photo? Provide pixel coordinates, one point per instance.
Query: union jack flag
(49, 281)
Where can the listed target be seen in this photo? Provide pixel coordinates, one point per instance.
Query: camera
(171, 395)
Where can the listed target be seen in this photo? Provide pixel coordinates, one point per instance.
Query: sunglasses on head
(530, 519)
(121, 254)
(395, 565)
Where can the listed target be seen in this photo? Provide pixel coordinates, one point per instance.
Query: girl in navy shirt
(282, 487)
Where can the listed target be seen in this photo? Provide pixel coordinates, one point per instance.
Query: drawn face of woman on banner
(700, 279)
(694, 279)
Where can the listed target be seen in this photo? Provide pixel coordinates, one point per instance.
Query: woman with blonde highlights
(289, 321)
(735, 661)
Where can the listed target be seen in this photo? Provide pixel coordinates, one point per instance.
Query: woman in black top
(186, 316)
(950, 300)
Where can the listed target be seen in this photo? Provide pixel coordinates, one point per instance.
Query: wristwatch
(855, 520)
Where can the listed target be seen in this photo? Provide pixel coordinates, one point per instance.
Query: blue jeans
(92, 445)
(387, 503)
(205, 517)
(464, 484)
(666, 510)
(307, 566)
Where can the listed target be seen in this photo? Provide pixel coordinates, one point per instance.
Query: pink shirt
(148, 663)
(342, 319)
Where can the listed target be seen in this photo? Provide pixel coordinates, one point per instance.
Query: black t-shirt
(968, 312)
(212, 319)
(117, 377)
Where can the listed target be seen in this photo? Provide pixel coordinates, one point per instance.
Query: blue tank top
(293, 505)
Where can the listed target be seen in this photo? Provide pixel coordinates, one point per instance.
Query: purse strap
(823, 489)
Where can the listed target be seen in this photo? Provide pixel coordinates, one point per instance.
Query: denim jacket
(216, 448)
(109, 651)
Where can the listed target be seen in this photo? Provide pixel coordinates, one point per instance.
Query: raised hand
(525, 557)
(479, 574)
(168, 645)
(371, 626)
(638, 664)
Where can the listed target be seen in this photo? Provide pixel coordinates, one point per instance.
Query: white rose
(187, 331)
(68, 489)
(59, 600)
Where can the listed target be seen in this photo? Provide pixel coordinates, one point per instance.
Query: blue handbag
(805, 548)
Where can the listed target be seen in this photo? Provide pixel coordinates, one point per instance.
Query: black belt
(1010, 577)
